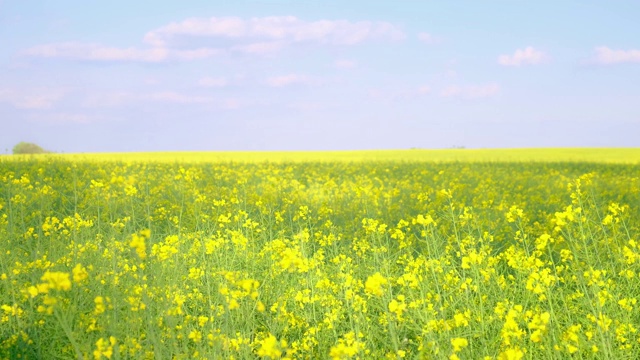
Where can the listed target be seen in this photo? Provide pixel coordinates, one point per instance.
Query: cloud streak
(289, 79)
(97, 52)
(607, 56)
(345, 64)
(35, 99)
(285, 29)
(63, 118)
(117, 99)
(428, 38)
(224, 35)
(526, 56)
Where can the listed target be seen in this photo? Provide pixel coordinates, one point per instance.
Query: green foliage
(28, 148)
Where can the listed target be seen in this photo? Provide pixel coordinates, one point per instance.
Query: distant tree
(28, 148)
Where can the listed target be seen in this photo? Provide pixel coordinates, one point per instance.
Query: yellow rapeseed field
(449, 254)
(605, 155)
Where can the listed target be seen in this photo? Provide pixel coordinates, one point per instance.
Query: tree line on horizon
(23, 148)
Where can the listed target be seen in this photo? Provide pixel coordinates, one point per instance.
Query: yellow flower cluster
(138, 242)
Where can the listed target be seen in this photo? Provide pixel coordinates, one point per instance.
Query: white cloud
(287, 29)
(186, 99)
(73, 118)
(607, 56)
(213, 82)
(424, 89)
(63, 118)
(97, 52)
(471, 91)
(174, 97)
(345, 64)
(254, 36)
(110, 99)
(85, 51)
(195, 54)
(117, 99)
(34, 99)
(526, 56)
(290, 79)
(161, 96)
(57, 117)
(428, 38)
(231, 27)
(260, 48)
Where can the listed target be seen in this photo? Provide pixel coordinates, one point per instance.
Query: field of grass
(450, 254)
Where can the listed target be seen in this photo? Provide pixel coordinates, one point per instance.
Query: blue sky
(318, 75)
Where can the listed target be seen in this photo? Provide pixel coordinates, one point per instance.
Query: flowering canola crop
(318, 259)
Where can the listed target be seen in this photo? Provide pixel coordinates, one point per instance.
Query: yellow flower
(101, 304)
(514, 353)
(398, 306)
(56, 280)
(292, 260)
(260, 306)
(104, 348)
(627, 304)
(9, 311)
(138, 243)
(202, 320)
(79, 273)
(195, 335)
(424, 220)
(164, 250)
(542, 241)
(374, 284)
(347, 347)
(462, 319)
(514, 214)
(539, 282)
(32, 291)
(602, 321)
(195, 273)
(270, 347)
(571, 339)
(539, 326)
(459, 343)
(511, 329)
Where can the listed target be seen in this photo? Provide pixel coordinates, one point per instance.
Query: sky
(118, 76)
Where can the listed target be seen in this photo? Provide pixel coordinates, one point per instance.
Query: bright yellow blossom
(104, 348)
(56, 280)
(374, 284)
(459, 343)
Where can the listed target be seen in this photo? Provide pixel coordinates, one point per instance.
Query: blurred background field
(596, 155)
